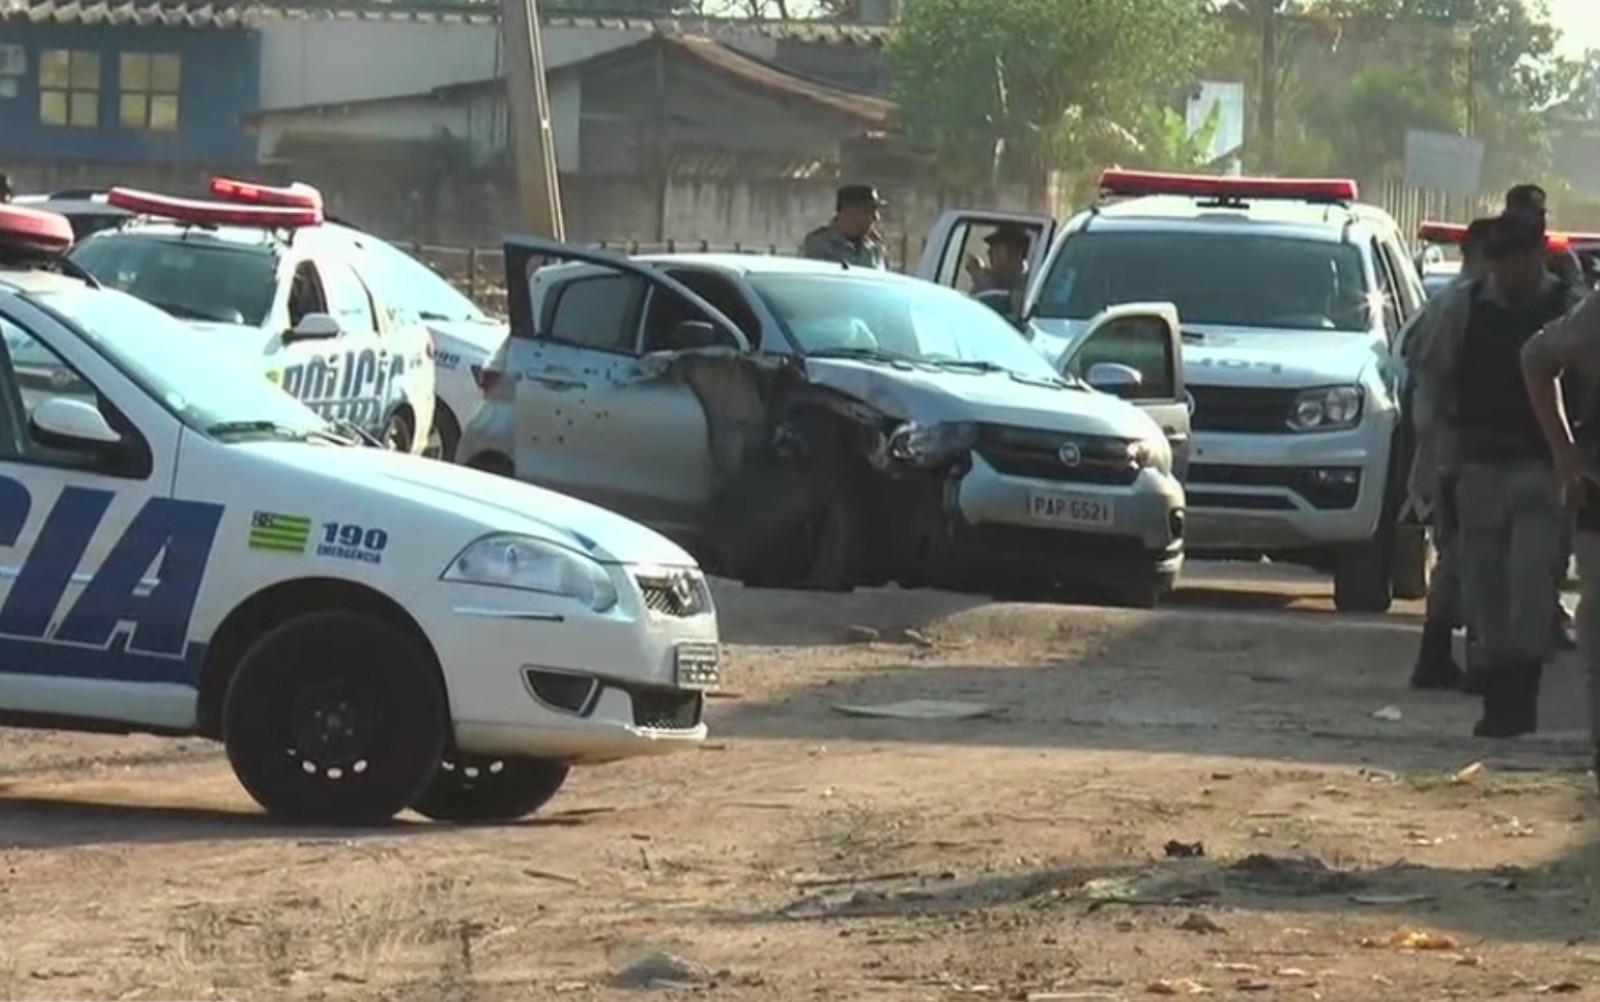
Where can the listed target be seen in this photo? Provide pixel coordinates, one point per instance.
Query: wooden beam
(533, 147)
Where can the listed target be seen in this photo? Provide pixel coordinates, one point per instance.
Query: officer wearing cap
(1007, 269)
(850, 237)
(1507, 492)
(1432, 482)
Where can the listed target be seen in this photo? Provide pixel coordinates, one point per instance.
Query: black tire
(473, 788)
(399, 432)
(446, 432)
(281, 720)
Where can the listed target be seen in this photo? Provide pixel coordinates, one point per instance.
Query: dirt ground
(1217, 798)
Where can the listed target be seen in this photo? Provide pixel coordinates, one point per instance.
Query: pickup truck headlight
(927, 444)
(1327, 408)
(506, 560)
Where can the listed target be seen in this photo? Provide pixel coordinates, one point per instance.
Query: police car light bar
(1116, 181)
(296, 196)
(1453, 234)
(33, 232)
(201, 213)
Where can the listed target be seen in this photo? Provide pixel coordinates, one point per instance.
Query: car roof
(37, 280)
(1291, 219)
(238, 237)
(742, 264)
(72, 205)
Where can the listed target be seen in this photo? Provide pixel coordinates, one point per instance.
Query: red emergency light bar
(201, 213)
(295, 196)
(33, 231)
(1116, 181)
(1433, 232)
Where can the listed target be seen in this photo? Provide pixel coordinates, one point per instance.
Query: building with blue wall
(126, 82)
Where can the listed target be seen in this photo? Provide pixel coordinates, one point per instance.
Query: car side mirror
(1115, 378)
(67, 423)
(693, 334)
(314, 327)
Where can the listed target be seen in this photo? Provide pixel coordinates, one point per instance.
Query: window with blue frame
(69, 88)
(148, 85)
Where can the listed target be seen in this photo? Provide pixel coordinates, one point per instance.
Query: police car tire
(398, 435)
(312, 650)
(447, 430)
(469, 788)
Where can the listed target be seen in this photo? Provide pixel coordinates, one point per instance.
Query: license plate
(698, 666)
(1071, 509)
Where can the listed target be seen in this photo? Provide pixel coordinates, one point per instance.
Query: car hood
(926, 393)
(472, 340)
(1258, 357)
(491, 503)
(248, 341)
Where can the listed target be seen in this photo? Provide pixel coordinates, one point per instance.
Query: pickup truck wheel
(471, 788)
(335, 718)
(1363, 578)
(1413, 558)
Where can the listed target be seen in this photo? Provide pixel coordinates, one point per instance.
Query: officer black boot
(1530, 679)
(1475, 679)
(1510, 701)
(1436, 666)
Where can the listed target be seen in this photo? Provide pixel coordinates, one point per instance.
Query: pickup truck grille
(1242, 409)
(1035, 453)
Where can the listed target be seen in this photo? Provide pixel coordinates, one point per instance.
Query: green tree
(1016, 87)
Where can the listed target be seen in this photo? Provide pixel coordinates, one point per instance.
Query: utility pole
(533, 148)
(1267, 110)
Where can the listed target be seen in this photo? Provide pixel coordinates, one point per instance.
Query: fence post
(472, 272)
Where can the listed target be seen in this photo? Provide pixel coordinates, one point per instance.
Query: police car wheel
(335, 718)
(397, 434)
(470, 788)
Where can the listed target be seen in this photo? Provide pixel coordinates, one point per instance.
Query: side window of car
(598, 312)
(347, 298)
(30, 373)
(306, 293)
(1389, 289)
(1407, 284)
(1141, 344)
(664, 309)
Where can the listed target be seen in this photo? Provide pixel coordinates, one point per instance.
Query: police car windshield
(402, 280)
(186, 371)
(1236, 279)
(193, 276)
(876, 320)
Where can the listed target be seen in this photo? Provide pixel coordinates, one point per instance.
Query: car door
(597, 416)
(306, 368)
(959, 233)
(362, 388)
(1147, 340)
(100, 568)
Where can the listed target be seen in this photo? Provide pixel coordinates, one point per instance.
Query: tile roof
(248, 13)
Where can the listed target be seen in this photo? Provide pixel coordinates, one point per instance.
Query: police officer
(1507, 492)
(1433, 484)
(1007, 269)
(1571, 345)
(5, 187)
(850, 237)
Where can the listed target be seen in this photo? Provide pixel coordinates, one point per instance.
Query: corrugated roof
(246, 13)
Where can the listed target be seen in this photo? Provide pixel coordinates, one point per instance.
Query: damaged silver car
(804, 424)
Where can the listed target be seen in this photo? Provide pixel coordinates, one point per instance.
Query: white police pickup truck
(187, 550)
(1290, 294)
(257, 268)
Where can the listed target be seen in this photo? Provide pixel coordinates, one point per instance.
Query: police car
(187, 550)
(1290, 293)
(259, 271)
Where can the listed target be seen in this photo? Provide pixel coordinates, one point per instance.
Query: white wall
(327, 60)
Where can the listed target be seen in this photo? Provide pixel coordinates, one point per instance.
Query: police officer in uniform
(1571, 346)
(1507, 493)
(1433, 483)
(1007, 269)
(850, 237)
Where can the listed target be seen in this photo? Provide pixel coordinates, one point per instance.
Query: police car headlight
(509, 561)
(918, 443)
(1327, 408)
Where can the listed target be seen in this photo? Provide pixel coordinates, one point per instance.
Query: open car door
(1135, 351)
(960, 233)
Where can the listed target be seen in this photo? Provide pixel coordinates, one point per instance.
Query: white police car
(259, 271)
(187, 550)
(1290, 294)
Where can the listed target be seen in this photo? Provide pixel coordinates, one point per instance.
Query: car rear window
(192, 278)
(1220, 279)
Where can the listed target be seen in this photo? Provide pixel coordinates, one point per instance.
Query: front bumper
(990, 529)
(545, 677)
(1264, 492)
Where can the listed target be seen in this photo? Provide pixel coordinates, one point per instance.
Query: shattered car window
(915, 321)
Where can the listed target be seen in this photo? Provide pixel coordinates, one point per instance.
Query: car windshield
(401, 279)
(1236, 279)
(857, 314)
(189, 373)
(193, 276)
